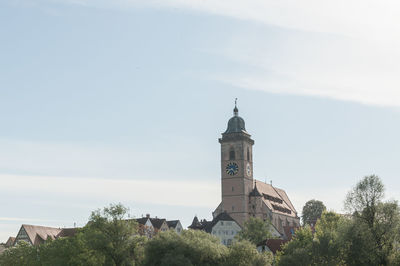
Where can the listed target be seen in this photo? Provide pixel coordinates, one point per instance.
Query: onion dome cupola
(236, 123)
(236, 127)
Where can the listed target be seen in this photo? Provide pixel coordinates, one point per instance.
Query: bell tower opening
(232, 154)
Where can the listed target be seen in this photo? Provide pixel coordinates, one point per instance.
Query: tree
(255, 230)
(299, 250)
(326, 248)
(111, 235)
(322, 248)
(69, 251)
(244, 253)
(191, 247)
(23, 254)
(363, 199)
(312, 211)
(380, 220)
(357, 244)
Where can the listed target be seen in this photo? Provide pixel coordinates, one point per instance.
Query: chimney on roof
(147, 215)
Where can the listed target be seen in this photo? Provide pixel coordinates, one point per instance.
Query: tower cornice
(236, 137)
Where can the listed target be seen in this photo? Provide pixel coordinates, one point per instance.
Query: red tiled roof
(273, 244)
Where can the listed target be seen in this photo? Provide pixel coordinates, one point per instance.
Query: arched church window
(232, 154)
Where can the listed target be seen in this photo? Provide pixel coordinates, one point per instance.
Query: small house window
(232, 155)
(233, 188)
(233, 208)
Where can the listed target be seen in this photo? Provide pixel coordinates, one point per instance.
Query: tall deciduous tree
(312, 211)
(364, 198)
(381, 220)
(255, 230)
(109, 233)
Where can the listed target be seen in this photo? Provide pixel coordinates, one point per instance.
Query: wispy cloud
(160, 192)
(24, 219)
(345, 50)
(359, 60)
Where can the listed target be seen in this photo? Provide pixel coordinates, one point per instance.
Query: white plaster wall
(225, 231)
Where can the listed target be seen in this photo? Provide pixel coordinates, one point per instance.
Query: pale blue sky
(123, 101)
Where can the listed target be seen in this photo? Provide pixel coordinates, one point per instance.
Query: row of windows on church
(232, 154)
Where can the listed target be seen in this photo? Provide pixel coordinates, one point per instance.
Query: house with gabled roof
(10, 242)
(224, 227)
(150, 226)
(175, 225)
(36, 234)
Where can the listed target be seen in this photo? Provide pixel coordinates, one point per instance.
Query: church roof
(276, 199)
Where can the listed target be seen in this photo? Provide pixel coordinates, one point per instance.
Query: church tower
(236, 169)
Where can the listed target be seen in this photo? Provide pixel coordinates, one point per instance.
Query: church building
(242, 195)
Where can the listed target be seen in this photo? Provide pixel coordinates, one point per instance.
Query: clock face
(232, 168)
(248, 169)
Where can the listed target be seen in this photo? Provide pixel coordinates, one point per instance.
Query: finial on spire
(236, 110)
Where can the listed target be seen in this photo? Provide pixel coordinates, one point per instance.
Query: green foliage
(299, 250)
(370, 236)
(110, 235)
(357, 244)
(312, 211)
(322, 248)
(363, 199)
(326, 248)
(192, 247)
(380, 220)
(255, 230)
(244, 253)
(69, 251)
(23, 254)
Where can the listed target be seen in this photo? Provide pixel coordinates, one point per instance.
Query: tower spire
(235, 110)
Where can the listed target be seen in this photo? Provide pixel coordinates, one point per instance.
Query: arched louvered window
(232, 154)
(248, 154)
